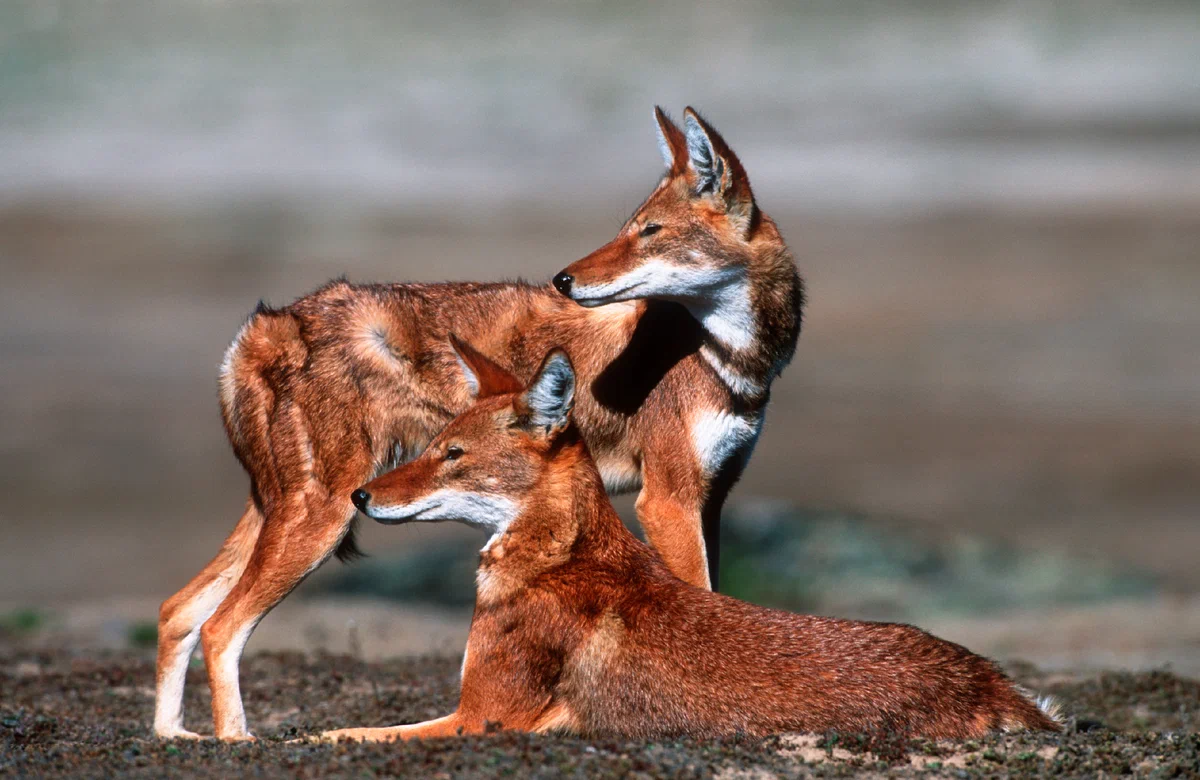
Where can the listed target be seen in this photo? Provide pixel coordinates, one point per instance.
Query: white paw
(178, 734)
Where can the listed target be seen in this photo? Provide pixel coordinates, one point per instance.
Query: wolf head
(689, 241)
(485, 462)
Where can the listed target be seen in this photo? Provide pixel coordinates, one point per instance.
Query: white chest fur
(718, 435)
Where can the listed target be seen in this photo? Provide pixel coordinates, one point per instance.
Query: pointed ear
(717, 170)
(671, 143)
(551, 395)
(484, 378)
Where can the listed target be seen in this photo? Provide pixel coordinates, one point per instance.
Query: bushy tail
(1035, 713)
(261, 419)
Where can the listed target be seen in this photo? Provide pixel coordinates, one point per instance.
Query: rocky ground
(88, 714)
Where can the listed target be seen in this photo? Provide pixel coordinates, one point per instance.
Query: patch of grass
(23, 621)
(143, 635)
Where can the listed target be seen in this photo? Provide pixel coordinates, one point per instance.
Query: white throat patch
(487, 511)
(719, 298)
(728, 315)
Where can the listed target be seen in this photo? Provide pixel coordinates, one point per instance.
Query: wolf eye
(454, 453)
(649, 229)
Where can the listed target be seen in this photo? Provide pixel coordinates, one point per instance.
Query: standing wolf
(674, 377)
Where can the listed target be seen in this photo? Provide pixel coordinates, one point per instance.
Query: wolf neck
(752, 324)
(568, 505)
(590, 511)
(566, 520)
(576, 509)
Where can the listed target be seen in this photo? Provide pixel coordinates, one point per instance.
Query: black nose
(360, 498)
(562, 282)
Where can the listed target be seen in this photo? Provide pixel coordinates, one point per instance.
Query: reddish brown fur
(580, 627)
(321, 395)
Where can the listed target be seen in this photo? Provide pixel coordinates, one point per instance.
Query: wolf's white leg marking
(234, 721)
(182, 615)
(168, 703)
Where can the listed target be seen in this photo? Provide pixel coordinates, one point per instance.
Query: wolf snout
(360, 498)
(563, 282)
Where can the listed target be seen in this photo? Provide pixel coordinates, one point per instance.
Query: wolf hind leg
(302, 535)
(180, 618)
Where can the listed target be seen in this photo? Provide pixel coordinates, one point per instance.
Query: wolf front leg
(445, 726)
(670, 509)
(552, 719)
(501, 689)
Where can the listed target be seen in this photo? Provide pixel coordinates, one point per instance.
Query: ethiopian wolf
(580, 628)
(677, 327)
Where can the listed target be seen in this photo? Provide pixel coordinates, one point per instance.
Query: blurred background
(992, 423)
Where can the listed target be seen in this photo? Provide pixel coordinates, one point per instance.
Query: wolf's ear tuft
(483, 377)
(702, 155)
(717, 170)
(551, 395)
(672, 143)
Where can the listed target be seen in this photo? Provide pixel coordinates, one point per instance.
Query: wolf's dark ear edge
(672, 144)
(484, 377)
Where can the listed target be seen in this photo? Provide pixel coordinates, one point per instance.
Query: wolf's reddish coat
(580, 627)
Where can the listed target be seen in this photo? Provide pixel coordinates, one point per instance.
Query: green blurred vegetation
(842, 563)
(143, 635)
(812, 561)
(19, 622)
(443, 575)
